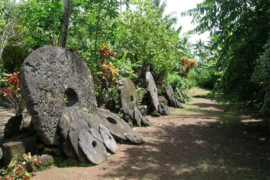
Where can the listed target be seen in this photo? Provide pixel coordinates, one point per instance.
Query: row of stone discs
(103, 120)
(128, 99)
(90, 144)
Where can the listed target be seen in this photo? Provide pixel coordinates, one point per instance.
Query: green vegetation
(119, 43)
(113, 44)
(239, 31)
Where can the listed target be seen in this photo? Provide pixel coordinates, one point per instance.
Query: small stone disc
(73, 134)
(94, 150)
(108, 139)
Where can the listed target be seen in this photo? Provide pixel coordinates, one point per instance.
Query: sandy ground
(198, 142)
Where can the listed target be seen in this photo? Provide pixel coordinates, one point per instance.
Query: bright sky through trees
(179, 6)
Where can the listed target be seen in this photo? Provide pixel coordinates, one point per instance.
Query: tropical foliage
(239, 29)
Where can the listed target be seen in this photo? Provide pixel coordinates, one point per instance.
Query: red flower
(265, 84)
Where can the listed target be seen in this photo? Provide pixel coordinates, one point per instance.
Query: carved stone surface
(53, 78)
(163, 109)
(69, 115)
(128, 115)
(107, 138)
(127, 94)
(152, 91)
(94, 150)
(73, 134)
(134, 138)
(117, 126)
(170, 96)
(95, 133)
(146, 122)
(169, 93)
(137, 117)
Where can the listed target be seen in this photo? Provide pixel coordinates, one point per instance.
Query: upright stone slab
(127, 94)
(170, 96)
(53, 78)
(169, 93)
(152, 91)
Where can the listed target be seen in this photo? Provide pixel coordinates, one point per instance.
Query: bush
(261, 78)
(205, 75)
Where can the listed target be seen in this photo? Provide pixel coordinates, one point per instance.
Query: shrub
(12, 92)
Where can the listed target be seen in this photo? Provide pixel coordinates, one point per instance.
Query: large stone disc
(73, 134)
(94, 150)
(53, 78)
(68, 116)
(152, 90)
(107, 138)
(127, 94)
(117, 126)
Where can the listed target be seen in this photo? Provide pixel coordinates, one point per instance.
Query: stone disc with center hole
(117, 126)
(152, 91)
(94, 150)
(127, 94)
(107, 138)
(73, 134)
(68, 116)
(96, 134)
(53, 78)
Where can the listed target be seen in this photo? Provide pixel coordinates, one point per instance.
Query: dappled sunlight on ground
(199, 142)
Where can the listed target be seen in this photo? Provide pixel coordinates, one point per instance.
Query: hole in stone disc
(71, 97)
(94, 143)
(111, 120)
(154, 89)
(131, 98)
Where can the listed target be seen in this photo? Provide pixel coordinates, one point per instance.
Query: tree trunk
(64, 27)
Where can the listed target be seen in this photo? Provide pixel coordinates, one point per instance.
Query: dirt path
(199, 142)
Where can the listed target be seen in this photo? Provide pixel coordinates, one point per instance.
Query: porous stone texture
(170, 96)
(128, 115)
(134, 138)
(17, 149)
(117, 126)
(128, 99)
(137, 117)
(152, 91)
(95, 133)
(53, 78)
(94, 150)
(108, 140)
(69, 115)
(146, 122)
(12, 127)
(163, 109)
(127, 94)
(169, 93)
(73, 134)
